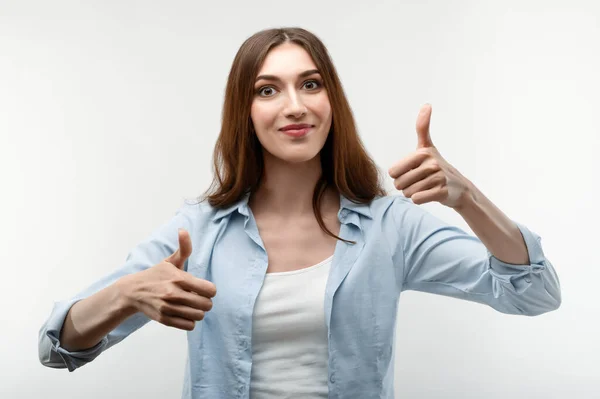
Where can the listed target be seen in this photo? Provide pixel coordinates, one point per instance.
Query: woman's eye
(315, 84)
(266, 91)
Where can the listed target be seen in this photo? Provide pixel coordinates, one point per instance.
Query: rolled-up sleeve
(443, 259)
(161, 243)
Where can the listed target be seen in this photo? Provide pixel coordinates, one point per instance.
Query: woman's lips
(297, 132)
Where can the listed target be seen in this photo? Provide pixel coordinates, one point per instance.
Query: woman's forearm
(499, 234)
(92, 318)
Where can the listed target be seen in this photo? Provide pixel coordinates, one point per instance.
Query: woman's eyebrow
(277, 79)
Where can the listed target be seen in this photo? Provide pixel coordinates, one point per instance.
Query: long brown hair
(238, 155)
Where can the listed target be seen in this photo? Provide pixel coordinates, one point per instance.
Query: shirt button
(332, 378)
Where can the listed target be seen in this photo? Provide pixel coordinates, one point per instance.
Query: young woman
(306, 250)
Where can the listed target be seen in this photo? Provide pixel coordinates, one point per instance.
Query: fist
(424, 175)
(168, 294)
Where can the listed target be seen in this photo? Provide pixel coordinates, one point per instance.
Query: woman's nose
(295, 107)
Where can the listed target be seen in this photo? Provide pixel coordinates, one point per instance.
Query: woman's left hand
(425, 176)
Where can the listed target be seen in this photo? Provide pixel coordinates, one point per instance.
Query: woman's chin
(296, 157)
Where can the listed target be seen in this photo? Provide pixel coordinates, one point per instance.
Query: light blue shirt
(399, 246)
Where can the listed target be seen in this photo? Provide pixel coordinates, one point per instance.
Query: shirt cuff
(517, 278)
(75, 359)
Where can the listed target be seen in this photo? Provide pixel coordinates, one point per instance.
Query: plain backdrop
(109, 111)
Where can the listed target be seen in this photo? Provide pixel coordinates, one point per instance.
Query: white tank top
(289, 335)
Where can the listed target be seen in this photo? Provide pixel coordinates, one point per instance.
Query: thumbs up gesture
(168, 294)
(184, 251)
(424, 175)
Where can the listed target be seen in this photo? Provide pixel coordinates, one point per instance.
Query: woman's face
(289, 91)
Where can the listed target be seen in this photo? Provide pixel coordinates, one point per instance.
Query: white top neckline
(303, 270)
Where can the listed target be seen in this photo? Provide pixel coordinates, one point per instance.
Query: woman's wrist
(126, 303)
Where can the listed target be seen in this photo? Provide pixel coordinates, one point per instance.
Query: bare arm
(92, 318)
(164, 293)
(499, 234)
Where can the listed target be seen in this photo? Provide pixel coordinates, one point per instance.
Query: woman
(308, 253)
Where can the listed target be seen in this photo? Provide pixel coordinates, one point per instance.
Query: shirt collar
(346, 206)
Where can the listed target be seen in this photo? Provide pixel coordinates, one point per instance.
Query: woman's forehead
(286, 60)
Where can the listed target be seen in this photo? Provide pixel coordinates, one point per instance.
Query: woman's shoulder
(396, 209)
(197, 210)
(383, 204)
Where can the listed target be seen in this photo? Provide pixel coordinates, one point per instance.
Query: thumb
(184, 251)
(423, 122)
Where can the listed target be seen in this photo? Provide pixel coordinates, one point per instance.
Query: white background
(109, 111)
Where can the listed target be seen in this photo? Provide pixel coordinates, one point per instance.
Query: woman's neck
(287, 189)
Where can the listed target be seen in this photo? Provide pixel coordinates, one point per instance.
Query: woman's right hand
(168, 294)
